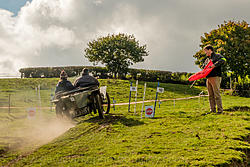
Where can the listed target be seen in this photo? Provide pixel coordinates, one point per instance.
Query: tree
(116, 52)
(232, 40)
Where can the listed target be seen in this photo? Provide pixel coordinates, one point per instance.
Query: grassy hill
(181, 134)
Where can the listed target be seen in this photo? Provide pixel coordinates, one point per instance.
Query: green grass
(180, 135)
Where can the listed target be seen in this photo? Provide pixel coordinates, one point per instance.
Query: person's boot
(219, 106)
(212, 104)
(220, 112)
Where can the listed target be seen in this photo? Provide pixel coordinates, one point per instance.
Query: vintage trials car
(82, 101)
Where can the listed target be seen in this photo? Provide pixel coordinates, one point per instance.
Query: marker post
(136, 96)
(200, 96)
(9, 105)
(114, 103)
(51, 98)
(39, 97)
(159, 101)
(145, 85)
(156, 96)
(129, 96)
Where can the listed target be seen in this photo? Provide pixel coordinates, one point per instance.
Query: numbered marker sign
(103, 90)
(149, 111)
(160, 90)
(133, 89)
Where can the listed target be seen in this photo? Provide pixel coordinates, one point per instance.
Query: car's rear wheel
(98, 104)
(105, 103)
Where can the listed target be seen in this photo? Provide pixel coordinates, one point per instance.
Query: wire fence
(18, 103)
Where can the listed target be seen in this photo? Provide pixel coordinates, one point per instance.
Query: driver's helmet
(85, 71)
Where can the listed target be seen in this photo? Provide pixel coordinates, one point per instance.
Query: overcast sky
(55, 32)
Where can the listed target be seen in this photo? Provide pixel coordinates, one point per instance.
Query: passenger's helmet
(63, 75)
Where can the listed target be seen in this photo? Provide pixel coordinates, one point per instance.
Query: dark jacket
(217, 60)
(64, 85)
(85, 80)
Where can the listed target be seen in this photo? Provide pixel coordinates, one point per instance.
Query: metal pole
(199, 99)
(9, 104)
(145, 85)
(39, 96)
(136, 96)
(114, 103)
(203, 100)
(193, 84)
(51, 98)
(129, 97)
(156, 97)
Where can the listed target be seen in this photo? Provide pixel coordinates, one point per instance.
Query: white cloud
(54, 33)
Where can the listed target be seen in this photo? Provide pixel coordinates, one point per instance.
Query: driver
(85, 80)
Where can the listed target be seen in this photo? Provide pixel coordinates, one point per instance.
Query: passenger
(63, 84)
(85, 80)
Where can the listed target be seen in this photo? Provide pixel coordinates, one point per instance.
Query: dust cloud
(30, 133)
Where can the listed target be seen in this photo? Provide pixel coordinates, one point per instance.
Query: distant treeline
(103, 73)
(54, 72)
(140, 74)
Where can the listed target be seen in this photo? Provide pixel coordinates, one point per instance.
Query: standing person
(85, 80)
(63, 84)
(214, 79)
